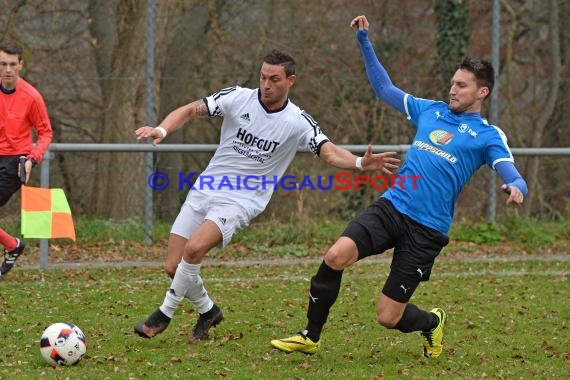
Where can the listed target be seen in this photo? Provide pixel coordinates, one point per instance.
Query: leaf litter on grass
(503, 322)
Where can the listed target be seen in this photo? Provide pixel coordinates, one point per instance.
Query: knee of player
(341, 254)
(386, 319)
(195, 250)
(337, 259)
(332, 259)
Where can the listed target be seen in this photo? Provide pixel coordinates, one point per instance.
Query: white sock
(180, 284)
(196, 293)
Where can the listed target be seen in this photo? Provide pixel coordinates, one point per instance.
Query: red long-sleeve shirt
(20, 111)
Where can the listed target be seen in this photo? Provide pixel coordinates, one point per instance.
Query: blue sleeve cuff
(511, 176)
(362, 35)
(520, 184)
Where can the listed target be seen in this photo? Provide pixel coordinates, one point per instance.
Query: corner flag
(46, 214)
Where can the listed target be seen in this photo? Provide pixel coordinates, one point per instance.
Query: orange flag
(46, 214)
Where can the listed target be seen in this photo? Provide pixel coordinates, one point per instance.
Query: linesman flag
(46, 214)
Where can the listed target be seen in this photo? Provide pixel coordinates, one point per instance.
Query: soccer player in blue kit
(452, 142)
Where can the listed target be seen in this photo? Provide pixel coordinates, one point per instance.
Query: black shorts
(381, 227)
(9, 179)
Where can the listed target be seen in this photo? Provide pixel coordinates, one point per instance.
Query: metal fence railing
(205, 148)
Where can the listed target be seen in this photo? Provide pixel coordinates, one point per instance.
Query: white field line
(306, 278)
(306, 261)
(350, 273)
(348, 277)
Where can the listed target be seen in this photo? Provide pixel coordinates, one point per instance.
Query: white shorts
(228, 216)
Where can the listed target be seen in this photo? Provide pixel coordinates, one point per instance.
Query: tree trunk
(188, 31)
(534, 176)
(121, 176)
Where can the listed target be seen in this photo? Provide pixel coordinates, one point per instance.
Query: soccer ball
(63, 344)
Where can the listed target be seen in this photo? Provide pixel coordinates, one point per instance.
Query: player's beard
(270, 100)
(457, 107)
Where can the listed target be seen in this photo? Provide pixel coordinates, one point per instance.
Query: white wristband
(358, 163)
(162, 131)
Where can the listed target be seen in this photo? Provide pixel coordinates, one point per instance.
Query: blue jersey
(446, 151)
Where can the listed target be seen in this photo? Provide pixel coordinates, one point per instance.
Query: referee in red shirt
(22, 109)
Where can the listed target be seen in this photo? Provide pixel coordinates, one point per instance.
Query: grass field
(508, 319)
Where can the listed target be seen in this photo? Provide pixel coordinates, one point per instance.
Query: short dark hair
(277, 57)
(483, 71)
(12, 48)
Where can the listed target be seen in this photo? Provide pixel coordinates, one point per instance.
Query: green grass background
(504, 286)
(507, 319)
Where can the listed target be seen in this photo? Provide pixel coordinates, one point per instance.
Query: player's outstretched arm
(343, 159)
(377, 74)
(173, 121)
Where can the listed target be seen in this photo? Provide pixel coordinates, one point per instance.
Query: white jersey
(256, 147)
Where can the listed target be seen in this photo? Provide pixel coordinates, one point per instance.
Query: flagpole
(44, 183)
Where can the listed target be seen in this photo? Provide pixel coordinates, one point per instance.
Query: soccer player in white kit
(260, 134)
